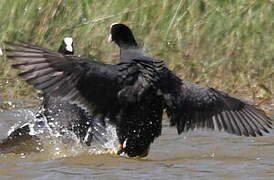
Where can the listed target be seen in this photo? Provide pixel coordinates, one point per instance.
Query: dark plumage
(60, 115)
(190, 105)
(134, 93)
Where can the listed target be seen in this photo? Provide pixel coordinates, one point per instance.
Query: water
(194, 155)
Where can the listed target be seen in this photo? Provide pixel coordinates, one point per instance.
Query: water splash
(108, 147)
(31, 134)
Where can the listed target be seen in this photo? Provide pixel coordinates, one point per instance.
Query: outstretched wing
(193, 106)
(96, 87)
(87, 83)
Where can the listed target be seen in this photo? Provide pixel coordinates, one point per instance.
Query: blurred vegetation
(225, 44)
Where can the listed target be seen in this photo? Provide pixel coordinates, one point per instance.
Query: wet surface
(193, 155)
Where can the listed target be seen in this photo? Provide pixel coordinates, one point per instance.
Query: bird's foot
(120, 149)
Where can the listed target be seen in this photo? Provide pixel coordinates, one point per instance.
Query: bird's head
(67, 46)
(122, 35)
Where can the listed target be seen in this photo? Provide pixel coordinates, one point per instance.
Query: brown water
(195, 155)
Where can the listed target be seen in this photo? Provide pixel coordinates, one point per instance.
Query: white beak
(109, 38)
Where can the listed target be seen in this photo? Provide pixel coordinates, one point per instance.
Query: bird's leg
(121, 147)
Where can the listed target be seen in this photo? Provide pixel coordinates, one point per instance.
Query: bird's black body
(134, 93)
(140, 123)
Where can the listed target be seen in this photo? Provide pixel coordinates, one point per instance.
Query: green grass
(225, 44)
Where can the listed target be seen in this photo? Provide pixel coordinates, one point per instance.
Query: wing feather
(190, 105)
(64, 75)
(96, 87)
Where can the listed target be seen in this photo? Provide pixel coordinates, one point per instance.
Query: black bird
(134, 93)
(60, 116)
(189, 105)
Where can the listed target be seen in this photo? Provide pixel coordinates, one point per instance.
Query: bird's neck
(127, 54)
